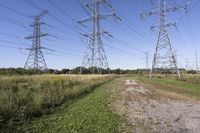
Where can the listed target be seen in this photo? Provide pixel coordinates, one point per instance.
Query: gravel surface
(146, 111)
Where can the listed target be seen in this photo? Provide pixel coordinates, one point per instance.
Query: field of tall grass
(25, 97)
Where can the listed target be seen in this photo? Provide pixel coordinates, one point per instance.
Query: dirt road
(154, 110)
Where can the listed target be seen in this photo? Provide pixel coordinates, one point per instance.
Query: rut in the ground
(145, 110)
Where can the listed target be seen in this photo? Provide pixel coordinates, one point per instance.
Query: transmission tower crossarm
(40, 35)
(148, 13)
(28, 48)
(84, 20)
(178, 7)
(104, 32)
(105, 15)
(45, 12)
(100, 16)
(167, 9)
(47, 49)
(108, 4)
(40, 23)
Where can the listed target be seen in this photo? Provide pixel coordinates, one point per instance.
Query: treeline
(22, 71)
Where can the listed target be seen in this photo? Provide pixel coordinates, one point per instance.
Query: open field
(25, 97)
(89, 114)
(99, 66)
(100, 103)
(188, 84)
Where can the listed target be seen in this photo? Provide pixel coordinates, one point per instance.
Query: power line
(9, 35)
(52, 16)
(128, 45)
(65, 56)
(73, 52)
(121, 50)
(13, 10)
(59, 38)
(9, 42)
(11, 20)
(110, 47)
(136, 29)
(59, 9)
(184, 43)
(7, 46)
(13, 44)
(130, 34)
(17, 46)
(34, 5)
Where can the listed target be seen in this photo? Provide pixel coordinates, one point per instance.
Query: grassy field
(25, 97)
(75, 103)
(89, 114)
(188, 85)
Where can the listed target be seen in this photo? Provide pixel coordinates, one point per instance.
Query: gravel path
(146, 111)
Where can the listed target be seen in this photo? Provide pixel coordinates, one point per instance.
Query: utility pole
(147, 60)
(164, 57)
(36, 59)
(197, 65)
(186, 64)
(95, 57)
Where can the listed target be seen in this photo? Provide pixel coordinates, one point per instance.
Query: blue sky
(133, 36)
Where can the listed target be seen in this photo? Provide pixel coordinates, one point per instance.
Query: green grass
(25, 97)
(89, 114)
(186, 87)
(71, 104)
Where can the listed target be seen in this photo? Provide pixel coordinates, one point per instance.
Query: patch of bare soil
(148, 110)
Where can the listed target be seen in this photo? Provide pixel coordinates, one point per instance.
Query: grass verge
(191, 89)
(25, 97)
(89, 114)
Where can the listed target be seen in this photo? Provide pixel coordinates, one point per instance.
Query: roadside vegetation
(89, 114)
(25, 97)
(188, 84)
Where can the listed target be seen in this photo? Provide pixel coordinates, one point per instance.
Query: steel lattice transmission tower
(36, 59)
(95, 57)
(164, 56)
(197, 65)
(147, 60)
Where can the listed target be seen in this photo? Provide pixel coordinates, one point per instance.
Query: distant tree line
(22, 71)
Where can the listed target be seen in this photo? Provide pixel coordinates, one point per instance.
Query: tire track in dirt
(147, 111)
